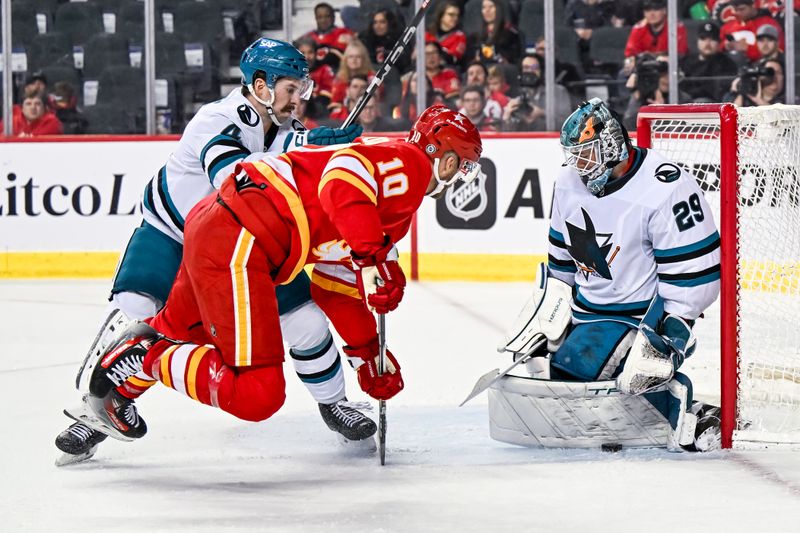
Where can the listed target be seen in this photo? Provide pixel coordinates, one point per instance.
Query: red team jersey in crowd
(642, 39)
(453, 43)
(747, 31)
(447, 83)
(323, 78)
(334, 39)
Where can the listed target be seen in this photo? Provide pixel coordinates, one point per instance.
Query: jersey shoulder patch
(248, 115)
(667, 172)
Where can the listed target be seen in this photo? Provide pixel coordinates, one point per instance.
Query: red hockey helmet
(440, 129)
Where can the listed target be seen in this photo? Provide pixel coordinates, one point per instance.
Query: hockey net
(747, 161)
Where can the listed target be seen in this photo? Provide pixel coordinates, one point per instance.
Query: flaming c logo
(588, 131)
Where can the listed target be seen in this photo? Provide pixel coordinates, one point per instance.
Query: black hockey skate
(344, 418)
(78, 442)
(123, 358)
(115, 415)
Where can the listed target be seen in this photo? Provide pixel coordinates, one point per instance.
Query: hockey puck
(611, 447)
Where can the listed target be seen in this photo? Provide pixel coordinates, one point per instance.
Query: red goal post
(747, 160)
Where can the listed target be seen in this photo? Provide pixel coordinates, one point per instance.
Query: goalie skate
(115, 416)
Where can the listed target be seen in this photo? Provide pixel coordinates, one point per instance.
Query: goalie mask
(439, 130)
(594, 141)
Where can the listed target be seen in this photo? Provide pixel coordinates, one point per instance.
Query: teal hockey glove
(325, 136)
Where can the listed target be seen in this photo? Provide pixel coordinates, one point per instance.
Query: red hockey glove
(365, 360)
(380, 279)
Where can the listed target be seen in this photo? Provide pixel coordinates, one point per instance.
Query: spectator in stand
(759, 84)
(331, 40)
(32, 118)
(445, 80)
(708, 61)
(476, 74)
(321, 74)
(473, 103)
(64, 103)
(585, 15)
(498, 88)
(626, 12)
(649, 84)
(445, 27)
(767, 42)
(739, 35)
(407, 108)
(358, 84)
(301, 114)
(373, 122)
(497, 41)
(356, 62)
(567, 74)
(381, 35)
(36, 83)
(527, 111)
(650, 34)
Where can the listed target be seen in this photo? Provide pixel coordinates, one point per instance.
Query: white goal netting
(768, 238)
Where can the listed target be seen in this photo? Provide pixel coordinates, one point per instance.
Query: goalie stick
(491, 377)
(388, 63)
(382, 403)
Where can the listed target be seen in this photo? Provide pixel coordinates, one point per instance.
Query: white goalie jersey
(221, 134)
(651, 233)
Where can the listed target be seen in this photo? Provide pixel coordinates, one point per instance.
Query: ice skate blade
(95, 419)
(71, 459)
(357, 447)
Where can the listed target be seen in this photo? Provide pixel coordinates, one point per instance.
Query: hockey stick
(388, 63)
(382, 403)
(491, 377)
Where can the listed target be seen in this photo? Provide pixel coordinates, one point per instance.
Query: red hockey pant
(224, 313)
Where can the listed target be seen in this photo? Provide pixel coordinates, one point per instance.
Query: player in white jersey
(634, 241)
(258, 117)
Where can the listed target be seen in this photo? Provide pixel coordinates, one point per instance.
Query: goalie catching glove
(380, 279)
(655, 357)
(364, 360)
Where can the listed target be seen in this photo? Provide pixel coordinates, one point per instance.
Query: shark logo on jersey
(667, 173)
(589, 254)
(248, 115)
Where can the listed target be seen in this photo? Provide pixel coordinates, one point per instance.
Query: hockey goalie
(633, 261)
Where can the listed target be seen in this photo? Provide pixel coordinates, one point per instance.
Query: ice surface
(201, 470)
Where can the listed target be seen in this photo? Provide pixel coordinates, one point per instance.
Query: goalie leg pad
(593, 350)
(675, 405)
(547, 313)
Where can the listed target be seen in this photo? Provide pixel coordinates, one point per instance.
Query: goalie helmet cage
(747, 162)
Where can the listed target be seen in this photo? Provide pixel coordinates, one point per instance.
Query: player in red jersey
(218, 339)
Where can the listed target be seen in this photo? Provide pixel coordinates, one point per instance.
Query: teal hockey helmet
(594, 141)
(276, 59)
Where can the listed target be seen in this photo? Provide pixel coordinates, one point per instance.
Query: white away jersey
(220, 135)
(651, 233)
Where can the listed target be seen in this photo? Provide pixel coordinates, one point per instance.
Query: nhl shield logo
(470, 205)
(469, 200)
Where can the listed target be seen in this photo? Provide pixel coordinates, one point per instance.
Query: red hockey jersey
(331, 200)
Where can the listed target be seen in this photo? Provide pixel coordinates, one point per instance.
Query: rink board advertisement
(67, 208)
